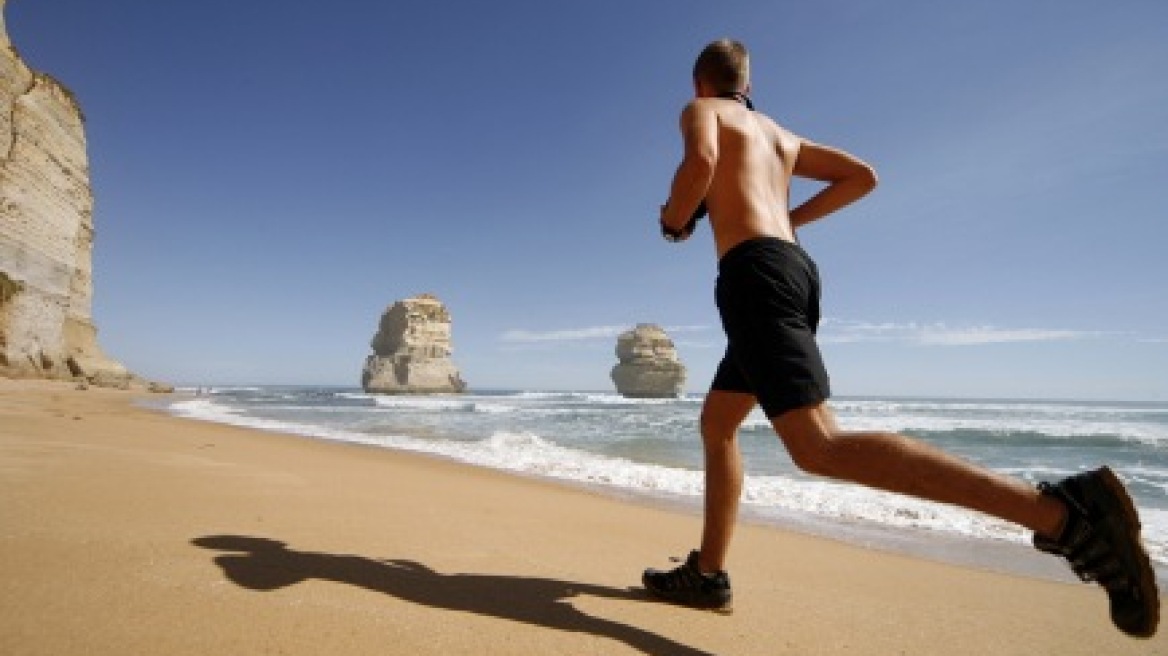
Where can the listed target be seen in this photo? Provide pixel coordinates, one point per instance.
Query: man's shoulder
(778, 128)
(769, 120)
(700, 105)
(699, 111)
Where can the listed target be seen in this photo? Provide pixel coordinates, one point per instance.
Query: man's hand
(672, 234)
(682, 234)
(675, 235)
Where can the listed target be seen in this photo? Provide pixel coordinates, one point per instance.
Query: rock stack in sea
(411, 351)
(46, 232)
(648, 365)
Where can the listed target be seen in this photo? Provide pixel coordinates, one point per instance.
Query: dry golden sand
(127, 531)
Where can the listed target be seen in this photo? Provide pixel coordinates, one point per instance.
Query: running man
(738, 164)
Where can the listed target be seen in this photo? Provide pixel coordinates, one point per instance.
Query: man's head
(723, 67)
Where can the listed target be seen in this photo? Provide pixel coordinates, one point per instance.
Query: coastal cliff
(46, 231)
(411, 351)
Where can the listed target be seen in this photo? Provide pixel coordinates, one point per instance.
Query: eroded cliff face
(46, 231)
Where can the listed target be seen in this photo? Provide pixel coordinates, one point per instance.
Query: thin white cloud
(520, 336)
(568, 335)
(833, 331)
(671, 330)
(841, 331)
(944, 336)
(697, 345)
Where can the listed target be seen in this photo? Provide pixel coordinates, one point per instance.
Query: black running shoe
(1101, 539)
(686, 585)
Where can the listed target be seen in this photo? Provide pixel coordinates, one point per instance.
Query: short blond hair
(724, 65)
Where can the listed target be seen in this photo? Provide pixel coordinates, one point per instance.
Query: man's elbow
(865, 178)
(861, 180)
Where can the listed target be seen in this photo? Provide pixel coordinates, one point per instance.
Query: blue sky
(271, 174)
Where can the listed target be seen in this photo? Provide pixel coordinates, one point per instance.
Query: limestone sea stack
(46, 232)
(411, 351)
(648, 365)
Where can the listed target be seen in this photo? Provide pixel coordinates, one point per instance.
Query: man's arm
(848, 179)
(699, 130)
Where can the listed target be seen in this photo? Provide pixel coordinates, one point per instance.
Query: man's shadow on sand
(264, 564)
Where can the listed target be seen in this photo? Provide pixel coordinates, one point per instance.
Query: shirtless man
(738, 163)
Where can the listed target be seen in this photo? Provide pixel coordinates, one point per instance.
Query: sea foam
(531, 454)
(651, 447)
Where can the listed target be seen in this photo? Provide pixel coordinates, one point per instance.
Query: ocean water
(651, 448)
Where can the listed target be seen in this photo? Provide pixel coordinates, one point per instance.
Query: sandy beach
(127, 531)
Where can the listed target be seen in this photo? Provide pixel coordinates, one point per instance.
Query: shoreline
(987, 553)
(127, 529)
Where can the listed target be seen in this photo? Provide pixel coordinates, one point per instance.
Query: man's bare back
(749, 191)
(740, 162)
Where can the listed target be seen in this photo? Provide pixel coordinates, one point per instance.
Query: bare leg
(722, 414)
(898, 464)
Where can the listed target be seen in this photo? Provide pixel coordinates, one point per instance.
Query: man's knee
(717, 427)
(810, 440)
(814, 457)
(810, 451)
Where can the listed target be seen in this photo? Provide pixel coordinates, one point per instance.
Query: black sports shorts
(768, 297)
